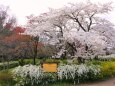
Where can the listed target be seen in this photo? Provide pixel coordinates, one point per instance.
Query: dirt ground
(110, 82)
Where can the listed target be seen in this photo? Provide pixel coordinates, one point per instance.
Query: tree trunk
(36, 39)
(34, 58)
(81, 60)
(3, 61)
(35, 52)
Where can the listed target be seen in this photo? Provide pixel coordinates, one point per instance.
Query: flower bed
(34, 75)
(78, 72)
(107, 57)
(28, 75)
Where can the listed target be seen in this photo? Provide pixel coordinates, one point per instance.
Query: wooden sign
(50, 67)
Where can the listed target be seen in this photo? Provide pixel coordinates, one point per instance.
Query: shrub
(63, 61)
(108, 69)
(11, 64)
(75, 61)
(49, 78)
(31, 75)
(28, 75)
(107, 57)
(30, 61)
(78, 72)
(51, 61)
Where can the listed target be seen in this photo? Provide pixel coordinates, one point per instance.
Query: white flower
(32, 72)
(77, 71)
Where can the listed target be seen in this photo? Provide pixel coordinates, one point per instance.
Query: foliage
(6, 65)
(30, 61)
(18, 30)
(49, 78)
(28, 75)
(78, 72)
(52, 61)
(63, 61)
(6, 78)
(107, 68)
(106, 57)
(34, 75)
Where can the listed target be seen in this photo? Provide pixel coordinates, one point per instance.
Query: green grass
(30, 61)
(12, 64)
(6, 78)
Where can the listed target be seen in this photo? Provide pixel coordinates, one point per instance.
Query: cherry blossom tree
(77, 29)
(87, 17)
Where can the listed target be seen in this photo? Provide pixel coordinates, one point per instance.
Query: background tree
(6, 24)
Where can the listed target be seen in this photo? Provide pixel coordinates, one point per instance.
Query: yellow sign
(50, 67)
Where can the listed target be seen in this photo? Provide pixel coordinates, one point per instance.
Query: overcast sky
(23, 8)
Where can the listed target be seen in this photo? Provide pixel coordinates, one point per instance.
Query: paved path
(110, 82)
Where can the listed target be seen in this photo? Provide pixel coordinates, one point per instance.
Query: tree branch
(90, 23)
